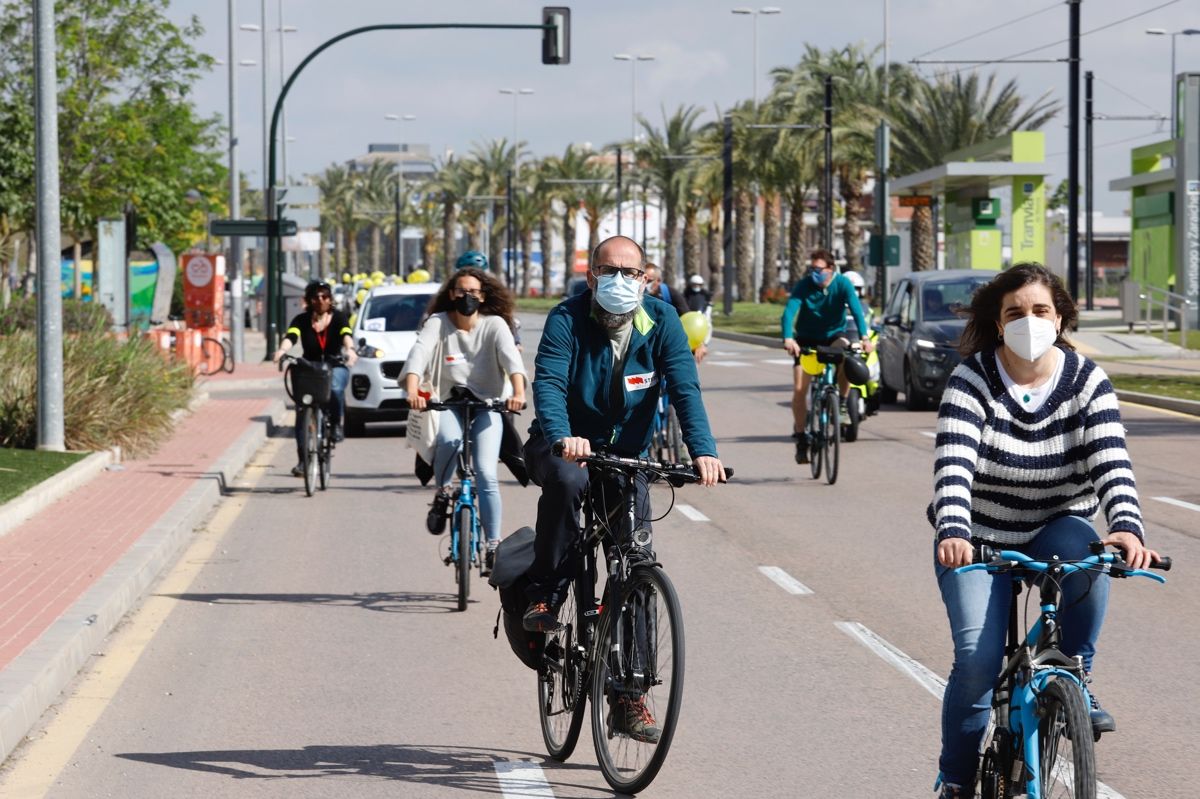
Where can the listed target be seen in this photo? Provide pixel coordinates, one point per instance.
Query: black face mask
(466, 305)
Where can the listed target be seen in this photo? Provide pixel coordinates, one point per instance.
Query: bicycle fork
(464, 497)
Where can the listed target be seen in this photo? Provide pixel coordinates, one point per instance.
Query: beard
(609, 320)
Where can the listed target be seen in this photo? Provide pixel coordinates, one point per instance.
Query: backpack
(514, 557)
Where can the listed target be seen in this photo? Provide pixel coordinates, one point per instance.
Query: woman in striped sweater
(1029, 447)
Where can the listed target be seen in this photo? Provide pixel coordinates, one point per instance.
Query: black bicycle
(215, 349)
(309, 384)
(623, 647)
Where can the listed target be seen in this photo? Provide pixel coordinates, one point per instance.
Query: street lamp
(282, 79)
(1173, 34)
(399, 119)
(755, 13)
(633, 62)
(516, 94)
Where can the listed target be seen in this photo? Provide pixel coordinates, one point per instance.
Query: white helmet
(857, 281)
(696, 280)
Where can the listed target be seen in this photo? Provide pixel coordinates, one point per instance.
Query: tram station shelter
(967, 193)
(1165, 202)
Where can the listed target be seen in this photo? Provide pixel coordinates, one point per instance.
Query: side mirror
(362, 342)
(892, 319)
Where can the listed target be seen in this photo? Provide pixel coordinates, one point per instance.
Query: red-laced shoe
(540, 618)
(631, 717)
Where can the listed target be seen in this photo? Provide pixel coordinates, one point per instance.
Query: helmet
(696, 280)
(471, 258)
(857, 281)
(314, 288)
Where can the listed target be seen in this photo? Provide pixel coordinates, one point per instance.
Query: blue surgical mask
(618, 294)
(817, 276)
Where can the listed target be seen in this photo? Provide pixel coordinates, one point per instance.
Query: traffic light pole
(274, 279)
(727, 215)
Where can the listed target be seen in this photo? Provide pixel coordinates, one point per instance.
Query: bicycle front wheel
(308, 418)
(1065, 744)
(326, 451)
(561, 678)
(637, 680)
(830, 427)
(815, 447)
(464, 556)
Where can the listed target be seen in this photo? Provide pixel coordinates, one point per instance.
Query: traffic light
(556, 41)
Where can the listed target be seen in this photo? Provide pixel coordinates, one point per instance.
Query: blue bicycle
(824, 412)
(466, 532)
(666, 438)
(1040, 741)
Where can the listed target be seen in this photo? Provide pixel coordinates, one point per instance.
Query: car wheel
(914, 400)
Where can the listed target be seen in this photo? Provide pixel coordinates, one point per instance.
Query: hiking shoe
(631, 717)
(489, 561)
(298, 470)
(801, 440)
(1102, 720)
(540, 618)
(435, 521)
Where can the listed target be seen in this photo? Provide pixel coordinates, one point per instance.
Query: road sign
(252, 227)
(297, 195)
(915, 201)
(877, 249)
(305, 218)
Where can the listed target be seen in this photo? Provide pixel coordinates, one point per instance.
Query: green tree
(663, 159)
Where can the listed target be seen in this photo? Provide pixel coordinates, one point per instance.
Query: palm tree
(454, 183)
(492, 164)
(528, 212)
(947, 114)
(340, 205)
(597, 199)
(426, 214)
(663, 157)
(572, 165)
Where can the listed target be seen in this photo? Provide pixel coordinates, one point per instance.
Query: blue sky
(450, 80)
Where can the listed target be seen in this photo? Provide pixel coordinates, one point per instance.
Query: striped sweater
(1001, 473)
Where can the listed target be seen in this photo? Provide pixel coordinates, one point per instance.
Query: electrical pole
(237, 329)
(1073, 153)
(828, 176)
(50, 428)
(1088, 189)
(727, 215)
(619, 192)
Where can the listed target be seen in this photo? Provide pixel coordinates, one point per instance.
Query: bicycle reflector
(306, 399)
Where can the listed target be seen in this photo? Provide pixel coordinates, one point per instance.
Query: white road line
(785, 581)
(906, 665)
(924, 677)
(729, 363)
(692, 513)
(929, 433)
(521, 778)
(1178, 503)
(781, 361)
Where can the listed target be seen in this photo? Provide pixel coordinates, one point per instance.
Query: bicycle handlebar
(448, 404)
(336, 360)
(675, 473)
(1003, 560)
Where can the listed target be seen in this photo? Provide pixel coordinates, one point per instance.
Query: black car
(918, 338)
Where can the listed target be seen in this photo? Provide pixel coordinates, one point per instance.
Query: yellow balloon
(377, 275)
(347, 277)
(695, 324)
(361, 296)
(360, 277)
(418, 276)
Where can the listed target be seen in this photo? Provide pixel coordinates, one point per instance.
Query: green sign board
(271, 228)
(879, 247)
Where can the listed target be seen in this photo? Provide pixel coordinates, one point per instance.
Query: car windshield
(942, 300)
(391, 312)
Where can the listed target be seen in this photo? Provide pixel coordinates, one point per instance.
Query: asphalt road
(309, 648)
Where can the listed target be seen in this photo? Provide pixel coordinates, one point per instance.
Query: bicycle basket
(314, 382)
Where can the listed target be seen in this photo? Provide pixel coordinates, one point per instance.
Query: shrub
(115, 393)
(777, 295)
(77, 316)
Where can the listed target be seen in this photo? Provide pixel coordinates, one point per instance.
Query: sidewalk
(70, 573)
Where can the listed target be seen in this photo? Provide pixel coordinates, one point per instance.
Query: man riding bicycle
(322, 333)
(600, 360)
(815, 315)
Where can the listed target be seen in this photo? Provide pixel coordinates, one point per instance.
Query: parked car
(919, 333)
(388, 321)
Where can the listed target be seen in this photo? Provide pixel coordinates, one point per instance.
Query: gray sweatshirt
(479, 359)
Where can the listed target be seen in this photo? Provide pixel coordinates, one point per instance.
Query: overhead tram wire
(1061, 153)
(992, 29)
(1121, 91)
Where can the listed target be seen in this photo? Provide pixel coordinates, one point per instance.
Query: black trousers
(556, 548)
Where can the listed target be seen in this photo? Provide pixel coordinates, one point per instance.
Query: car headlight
(926, 343)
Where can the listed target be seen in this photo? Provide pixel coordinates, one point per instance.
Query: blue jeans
(336, 407)
(977, 604)
(486, 432)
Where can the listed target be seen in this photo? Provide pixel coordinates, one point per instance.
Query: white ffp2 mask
(1030, 337)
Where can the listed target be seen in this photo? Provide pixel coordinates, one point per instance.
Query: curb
(1191, 407)
(746, 338)
(24, 506)
(36, 678)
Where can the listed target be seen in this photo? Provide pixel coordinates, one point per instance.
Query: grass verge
(537, 304)
(21, 469)
(755, 318)
(1187, 388)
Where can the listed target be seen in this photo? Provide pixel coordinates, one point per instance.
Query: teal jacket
(573, 377)
(814, 313)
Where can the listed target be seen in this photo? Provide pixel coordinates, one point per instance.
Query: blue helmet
(472, 258)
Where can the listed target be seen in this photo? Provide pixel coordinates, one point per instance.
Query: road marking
(1179, 503)
(729, 363)
(692, 513)
(34, 771)
(929, 434)
(521, 778)
(785, 581)
(906, 665)
(781, 361)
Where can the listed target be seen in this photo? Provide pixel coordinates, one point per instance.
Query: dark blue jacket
(573, 377)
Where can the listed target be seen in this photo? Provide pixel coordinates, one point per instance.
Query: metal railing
(1149, 305)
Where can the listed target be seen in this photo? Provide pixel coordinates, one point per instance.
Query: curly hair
(497, 301)
(983, 315)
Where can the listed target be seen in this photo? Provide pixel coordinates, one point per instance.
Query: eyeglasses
(630, 272)
(476, 293)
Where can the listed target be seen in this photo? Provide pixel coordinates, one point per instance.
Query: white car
(389, 321)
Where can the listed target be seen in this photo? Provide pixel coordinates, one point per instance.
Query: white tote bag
(423, 425)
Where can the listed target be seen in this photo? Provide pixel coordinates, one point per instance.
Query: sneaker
(435, 521)
(1102, 720)
(843, 411)
(489, 560)
(339, 434)
(801, 440)
(631, 717)
(298, 470)
(952, 792)
(540, 618)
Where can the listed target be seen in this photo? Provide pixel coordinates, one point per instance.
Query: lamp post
(399, 119)
(633, 62)
(516, 95)
(755, 13)
(1173, 34)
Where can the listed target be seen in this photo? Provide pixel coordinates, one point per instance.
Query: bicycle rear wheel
(561, 680)
(464, 556)
(815, 446)
(308, 418)
(637, 680)
(326, 452)
(831, 427)
(1068, 755)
